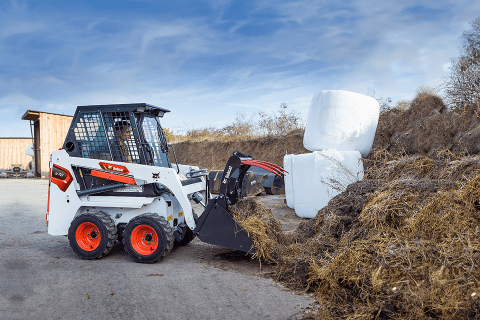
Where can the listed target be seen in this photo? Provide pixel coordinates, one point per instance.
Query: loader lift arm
(216, 225)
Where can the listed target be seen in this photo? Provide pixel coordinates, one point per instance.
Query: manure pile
(404, 243)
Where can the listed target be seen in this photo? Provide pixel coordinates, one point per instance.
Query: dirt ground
(41, 277)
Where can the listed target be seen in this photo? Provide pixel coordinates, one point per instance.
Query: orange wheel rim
(144, 240)
(88, 236)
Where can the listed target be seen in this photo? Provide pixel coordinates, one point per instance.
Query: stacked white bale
(341, 120)
(288, 165)
(316, 175)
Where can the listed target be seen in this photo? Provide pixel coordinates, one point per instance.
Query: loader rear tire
(148, 238)
(92, 235)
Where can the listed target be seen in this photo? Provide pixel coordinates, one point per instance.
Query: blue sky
(208, 61)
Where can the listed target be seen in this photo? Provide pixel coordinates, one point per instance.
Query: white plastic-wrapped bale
(287, 165)
(342, 120)
(319, 176)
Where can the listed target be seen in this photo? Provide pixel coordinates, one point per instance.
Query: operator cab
(123, 132)
(128, 133)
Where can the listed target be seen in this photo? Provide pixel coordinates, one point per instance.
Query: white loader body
(113, 180)
(174, 205)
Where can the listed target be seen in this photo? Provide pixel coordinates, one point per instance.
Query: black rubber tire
(164, 233)
(108, 234)
(189, 236)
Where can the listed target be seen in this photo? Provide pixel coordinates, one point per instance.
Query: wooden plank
(12, 151)
(53, 130)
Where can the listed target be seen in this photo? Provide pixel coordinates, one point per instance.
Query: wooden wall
(53, 130)
(12, 151)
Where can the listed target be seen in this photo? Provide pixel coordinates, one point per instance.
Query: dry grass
(262, 227)
(425, 126)
(406, 248)
(341, 176)
(244, 127)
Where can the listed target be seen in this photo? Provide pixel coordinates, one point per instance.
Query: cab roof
(131, 107)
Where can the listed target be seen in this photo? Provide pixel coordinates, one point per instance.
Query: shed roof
(29, 138)
(34, 115)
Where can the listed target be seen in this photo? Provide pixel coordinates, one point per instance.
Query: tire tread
(169, 237)
(111, 235)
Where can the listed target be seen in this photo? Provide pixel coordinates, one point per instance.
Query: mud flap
(216, 226)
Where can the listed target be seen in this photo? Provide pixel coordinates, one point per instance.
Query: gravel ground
(41, 277)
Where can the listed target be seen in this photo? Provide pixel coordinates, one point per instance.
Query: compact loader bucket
(216, 225)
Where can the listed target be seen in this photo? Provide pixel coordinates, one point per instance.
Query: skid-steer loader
(113, 179)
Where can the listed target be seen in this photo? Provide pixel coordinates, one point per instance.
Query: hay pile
(262, 226)
(425, 125)
(405, 248)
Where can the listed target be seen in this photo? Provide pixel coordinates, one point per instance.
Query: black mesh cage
(124, 133)
(90, 137)
(120, 137)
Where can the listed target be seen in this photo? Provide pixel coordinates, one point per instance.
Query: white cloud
(446, 67)
(157, 32)
(177, 63)
(18, 100)
(22, 27)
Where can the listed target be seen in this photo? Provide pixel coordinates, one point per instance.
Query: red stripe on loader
(112, 176)
(271, 165)
(113, 167)
(267, 166)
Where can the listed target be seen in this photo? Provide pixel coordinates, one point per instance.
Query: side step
(216, 226)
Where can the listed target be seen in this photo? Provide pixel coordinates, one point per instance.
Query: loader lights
(114, 167)
(61, 177)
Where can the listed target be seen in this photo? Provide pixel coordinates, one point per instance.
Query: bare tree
(462, 85)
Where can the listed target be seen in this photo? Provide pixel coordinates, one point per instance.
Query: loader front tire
(92, 235)
(148, 237)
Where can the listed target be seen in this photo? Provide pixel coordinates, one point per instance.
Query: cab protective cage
(121, 132)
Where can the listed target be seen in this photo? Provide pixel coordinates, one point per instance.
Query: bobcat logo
(227, 175)
(155, 175)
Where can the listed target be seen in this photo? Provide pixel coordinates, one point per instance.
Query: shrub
(260, 124)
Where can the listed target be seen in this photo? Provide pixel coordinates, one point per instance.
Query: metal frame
(115, 133)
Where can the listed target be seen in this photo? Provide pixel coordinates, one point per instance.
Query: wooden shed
(49, 131)
(12, 151)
